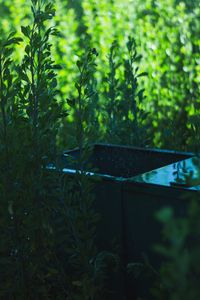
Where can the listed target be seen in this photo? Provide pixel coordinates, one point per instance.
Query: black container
(128, 201)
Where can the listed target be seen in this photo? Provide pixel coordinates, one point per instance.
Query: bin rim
(128, 147)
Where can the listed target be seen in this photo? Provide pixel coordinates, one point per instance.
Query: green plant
(29, 114)
(112, 96)
(179, 274)
(124, 114)
(82, 104)
(10, 240)
(172, 88)
(86, 264)
(174, 69)
(134, 114)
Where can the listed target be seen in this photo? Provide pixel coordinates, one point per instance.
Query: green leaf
(71, 102)
(142, 74)
(13, 41)
(25, 31)
(165, 214)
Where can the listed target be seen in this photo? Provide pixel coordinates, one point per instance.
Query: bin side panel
(143, 231)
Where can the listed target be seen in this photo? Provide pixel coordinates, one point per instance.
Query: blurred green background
(167, 35)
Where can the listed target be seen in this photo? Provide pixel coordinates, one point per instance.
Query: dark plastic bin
(127, 201)
(126, 162)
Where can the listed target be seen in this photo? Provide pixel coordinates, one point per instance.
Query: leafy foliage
(123, 110)
(179, 274)
(29, 118)
(167, 35)
(87, 266)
